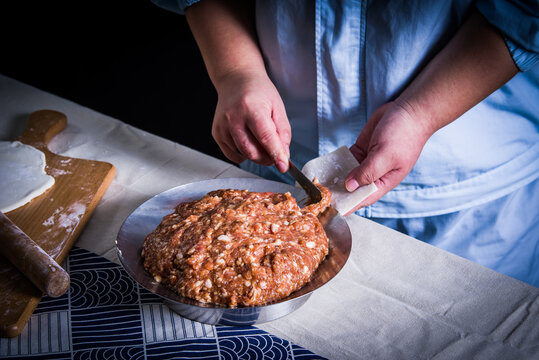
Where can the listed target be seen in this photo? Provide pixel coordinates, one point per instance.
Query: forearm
(472, 65)
(225, 34)
(250, 120)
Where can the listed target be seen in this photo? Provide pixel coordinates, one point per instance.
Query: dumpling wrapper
(331, 171)
(22, 174)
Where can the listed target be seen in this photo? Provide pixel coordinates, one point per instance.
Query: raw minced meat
(235, 247)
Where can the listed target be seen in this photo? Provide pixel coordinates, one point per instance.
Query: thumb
(373, 167)
(369, 171)
(282, 126)
(377, 168)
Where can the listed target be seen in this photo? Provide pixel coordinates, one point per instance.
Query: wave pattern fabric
(106, 315)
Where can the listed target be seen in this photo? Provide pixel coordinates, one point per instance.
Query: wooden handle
(42, 126)
(31, 259)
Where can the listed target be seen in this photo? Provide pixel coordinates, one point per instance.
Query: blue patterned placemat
(106, 315)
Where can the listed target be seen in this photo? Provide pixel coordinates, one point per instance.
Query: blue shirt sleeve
(177, 6)
(518, 21)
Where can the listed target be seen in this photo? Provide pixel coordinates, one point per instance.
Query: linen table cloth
(395, 298)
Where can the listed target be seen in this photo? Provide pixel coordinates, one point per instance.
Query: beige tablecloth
(396, 298)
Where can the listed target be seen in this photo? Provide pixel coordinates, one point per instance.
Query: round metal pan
(147, 216)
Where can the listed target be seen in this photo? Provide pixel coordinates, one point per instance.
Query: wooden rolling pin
(31, 259)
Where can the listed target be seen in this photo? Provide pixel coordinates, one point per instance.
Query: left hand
(387, 149)
(473, 64)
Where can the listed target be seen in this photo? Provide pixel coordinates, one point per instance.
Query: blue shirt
(335, 62)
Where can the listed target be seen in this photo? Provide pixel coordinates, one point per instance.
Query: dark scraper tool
(314, 194)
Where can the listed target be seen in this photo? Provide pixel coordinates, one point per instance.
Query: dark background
(128, 59)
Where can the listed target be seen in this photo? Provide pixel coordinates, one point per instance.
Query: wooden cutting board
(54, 219)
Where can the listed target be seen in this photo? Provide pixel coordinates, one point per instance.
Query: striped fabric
(106, 315)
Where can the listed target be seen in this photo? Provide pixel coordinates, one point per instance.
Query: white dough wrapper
(22, 174)
(331, 170)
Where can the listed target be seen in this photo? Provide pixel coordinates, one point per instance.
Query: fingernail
(351, 184)
(281, 165)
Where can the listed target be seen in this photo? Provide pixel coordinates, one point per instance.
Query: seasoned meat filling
(235, 247)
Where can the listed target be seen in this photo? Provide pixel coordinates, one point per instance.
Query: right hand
(250, 120)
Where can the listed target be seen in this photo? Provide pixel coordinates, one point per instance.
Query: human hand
(250, 121)
(387, 149)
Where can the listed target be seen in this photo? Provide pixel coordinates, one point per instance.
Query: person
(438, 101)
